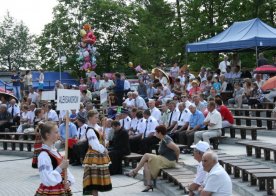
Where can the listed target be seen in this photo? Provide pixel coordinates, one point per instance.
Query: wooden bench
(179, 176)
(258, 119)
(15, 134)
(247, 111)
(20, 142)
(243, 130)
(133, 158)
(258, 146)
(216, 140)
(268, 105)
(265, 181)
(257, 172)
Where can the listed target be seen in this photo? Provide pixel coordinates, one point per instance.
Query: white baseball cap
(201, 146)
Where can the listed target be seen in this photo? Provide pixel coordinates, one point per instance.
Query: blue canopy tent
(240, 36)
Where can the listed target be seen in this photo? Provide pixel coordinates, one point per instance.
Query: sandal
(131, 174)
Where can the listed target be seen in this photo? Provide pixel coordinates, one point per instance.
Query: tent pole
(186, 58)
(256, 56)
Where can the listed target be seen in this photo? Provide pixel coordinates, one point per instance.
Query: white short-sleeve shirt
(141, 126)
(215, 118)
(218, 182)
(126, 123)
(151, 124)
(173, 116)
(200, 174)
(184, 117)
(156, 113)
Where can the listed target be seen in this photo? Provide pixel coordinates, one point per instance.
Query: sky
(34, 13)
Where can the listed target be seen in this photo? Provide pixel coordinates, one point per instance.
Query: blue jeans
(16, 92)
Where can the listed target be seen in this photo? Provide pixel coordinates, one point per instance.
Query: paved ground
(18, 178)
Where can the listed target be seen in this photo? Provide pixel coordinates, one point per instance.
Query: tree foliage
(145, 31)
(17, 47)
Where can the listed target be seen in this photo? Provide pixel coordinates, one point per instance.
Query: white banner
(68, 99)
(48, 95)
(103, 95)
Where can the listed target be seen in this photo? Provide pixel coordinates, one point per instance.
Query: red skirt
(52, 190)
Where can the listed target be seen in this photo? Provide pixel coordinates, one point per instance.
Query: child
(51, 164)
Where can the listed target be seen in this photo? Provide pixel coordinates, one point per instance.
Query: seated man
(148, 138)
(217, 181)
(199, 149)
(14, 110)
(214, 123)
(118, 148)
(226, 115)
(182, 122)
(135, 135)
(125, 119)
(5, 118)
(195, 124)
(62, 134)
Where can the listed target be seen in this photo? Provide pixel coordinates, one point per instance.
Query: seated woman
(167, 158)
(257, 96)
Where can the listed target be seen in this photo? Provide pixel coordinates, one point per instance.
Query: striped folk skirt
(96, 172)
(57, 190)
(37, 149)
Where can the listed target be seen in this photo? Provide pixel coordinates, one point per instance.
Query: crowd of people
(164, 109)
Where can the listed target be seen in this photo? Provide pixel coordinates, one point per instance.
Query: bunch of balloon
(87, 51)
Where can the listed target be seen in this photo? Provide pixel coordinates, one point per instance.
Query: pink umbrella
(265, 69)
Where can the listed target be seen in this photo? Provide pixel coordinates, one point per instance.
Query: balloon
(93, 66)
(130, 64)
(82, 33)
(87, 27)
(79, 59)
(87, 58)
(90, 38)
(93, 60)
(83, 44)
(138, 68)
(86, 53)
(87, 65)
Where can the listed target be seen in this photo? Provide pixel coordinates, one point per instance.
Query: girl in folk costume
(96, 162)
(51, 164)
(38, 142)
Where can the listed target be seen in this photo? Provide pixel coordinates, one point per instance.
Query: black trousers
(116, 157)
(175, 135)
(120, 96)
(134, 143)
(186, 139)
(148, 143)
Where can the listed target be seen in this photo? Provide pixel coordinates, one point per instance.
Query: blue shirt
(17, 78)
(197, 119)
(72, 130)
(119, 85)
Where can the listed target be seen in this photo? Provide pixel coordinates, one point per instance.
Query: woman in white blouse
(129, 102)
(51, 164)
(96, 162)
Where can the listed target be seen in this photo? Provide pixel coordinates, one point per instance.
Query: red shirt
(226, 114)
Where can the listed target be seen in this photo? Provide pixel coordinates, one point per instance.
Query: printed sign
(103, 95)
(48, 95)
(68, 99)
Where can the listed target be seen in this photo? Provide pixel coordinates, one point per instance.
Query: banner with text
(48, 95)
(68, 99)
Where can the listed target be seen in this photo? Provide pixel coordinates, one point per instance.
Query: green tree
(153, 37)
(17, 47)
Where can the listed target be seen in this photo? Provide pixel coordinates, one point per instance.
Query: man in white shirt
(182, 122)
(106, 83)
(199, 149)
(31, 114)
(173, 117)
(218, 182)
(214, 123)
(149, 140)
(139, 102)
(125, 119)
(137, 130)
(14, 110)
(223, 64)
(51, 114)
(155, 112)
(34, 96)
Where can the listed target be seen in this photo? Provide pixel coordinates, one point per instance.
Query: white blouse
(49, 176)
(93, 139)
